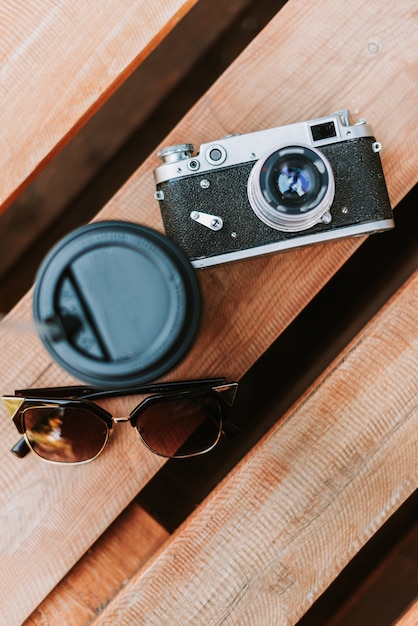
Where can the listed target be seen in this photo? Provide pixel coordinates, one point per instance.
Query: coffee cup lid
(117, 304)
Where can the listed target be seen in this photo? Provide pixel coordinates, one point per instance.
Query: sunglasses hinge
(227, 392)
(12, 404)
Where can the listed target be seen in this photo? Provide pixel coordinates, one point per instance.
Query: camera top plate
(235, 149)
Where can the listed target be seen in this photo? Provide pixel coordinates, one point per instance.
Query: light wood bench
(51, 515)
(410, 618)
(60, 63)
(280, 528)
(104, 571)
(96, 89)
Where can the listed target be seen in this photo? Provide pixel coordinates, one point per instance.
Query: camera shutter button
(216, 154)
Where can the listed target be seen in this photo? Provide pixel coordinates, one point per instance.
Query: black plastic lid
(117, 304)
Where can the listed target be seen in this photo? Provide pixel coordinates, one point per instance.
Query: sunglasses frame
(82, 397)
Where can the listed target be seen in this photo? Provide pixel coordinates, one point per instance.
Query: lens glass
(65, 434)
(180, 427)
(293, 180)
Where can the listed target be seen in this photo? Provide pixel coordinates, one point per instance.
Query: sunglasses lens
(181, 427)
(65, 434)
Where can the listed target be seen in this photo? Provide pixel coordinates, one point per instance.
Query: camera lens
(293, 184)
(291, 188)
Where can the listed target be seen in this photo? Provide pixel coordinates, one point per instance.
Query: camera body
(271, 190)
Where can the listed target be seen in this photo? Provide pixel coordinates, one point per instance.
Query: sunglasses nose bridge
(118, 420)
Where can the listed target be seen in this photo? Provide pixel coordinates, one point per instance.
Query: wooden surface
(285, 522)
(104, 570)
(410, 618)
(76, 165)
(389, 595)
(59, 63)
(52, 515)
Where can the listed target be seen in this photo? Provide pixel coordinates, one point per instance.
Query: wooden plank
(278, 530)
(103, 571)
(235, 104)
(79, 161)
(389, 592)
(410, 618)
(59, 63)
(246, 305)
(51, 516)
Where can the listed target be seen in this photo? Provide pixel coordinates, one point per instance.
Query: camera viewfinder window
(323, 131)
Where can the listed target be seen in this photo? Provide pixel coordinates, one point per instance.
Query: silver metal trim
(222, 158)
(253, 146)
(178, 152)
(214, 222)
(296, 242)
(278, 219)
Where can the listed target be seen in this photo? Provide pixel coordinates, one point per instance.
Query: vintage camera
(274, 189)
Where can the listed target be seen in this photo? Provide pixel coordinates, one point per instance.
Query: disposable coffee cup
(116, 304)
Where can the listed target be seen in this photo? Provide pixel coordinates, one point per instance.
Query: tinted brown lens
(181, 427)
(65, 434)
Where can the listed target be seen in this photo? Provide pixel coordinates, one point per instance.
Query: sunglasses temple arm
(172, 387)
(78, 391)
(21, 448)
(55, 392)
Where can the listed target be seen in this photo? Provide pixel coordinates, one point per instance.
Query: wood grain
(46, 524)
(389, 592)
(348, 75)
(61, 181)
(410, 618)
(103, 571)
(283, 524)
(59, 63)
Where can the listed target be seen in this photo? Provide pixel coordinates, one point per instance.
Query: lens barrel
(291, 188)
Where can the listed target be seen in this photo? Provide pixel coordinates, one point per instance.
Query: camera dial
(176, 153)
(292, 188)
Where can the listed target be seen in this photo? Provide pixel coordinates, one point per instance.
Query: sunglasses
(176, 420)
